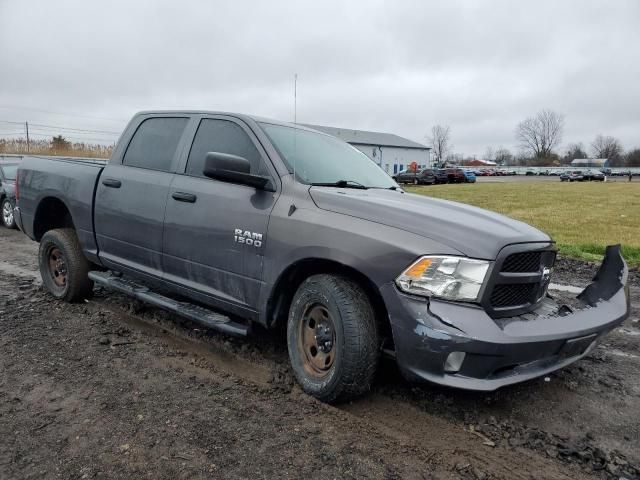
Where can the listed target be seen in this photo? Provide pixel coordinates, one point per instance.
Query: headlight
(451, 278)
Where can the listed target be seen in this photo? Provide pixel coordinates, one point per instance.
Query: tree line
(538, 138)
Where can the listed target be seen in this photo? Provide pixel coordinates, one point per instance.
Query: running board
(195, 313)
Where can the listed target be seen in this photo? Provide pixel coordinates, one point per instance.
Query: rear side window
(154, 144)
(222, 136)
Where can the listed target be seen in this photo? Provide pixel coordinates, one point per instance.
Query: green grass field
(582, 217)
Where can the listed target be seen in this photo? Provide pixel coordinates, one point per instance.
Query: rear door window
(222, 136)
(155, 142)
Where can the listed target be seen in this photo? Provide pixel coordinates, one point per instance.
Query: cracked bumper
(501, 352)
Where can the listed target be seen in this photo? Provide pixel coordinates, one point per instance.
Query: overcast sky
(396, 66)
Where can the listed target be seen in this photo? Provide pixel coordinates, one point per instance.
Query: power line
(53, 131)
(76, 138)
(73, 129)
(15, 107)
(57, 127)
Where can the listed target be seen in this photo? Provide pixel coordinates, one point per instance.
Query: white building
(391, 152)
(590, 162)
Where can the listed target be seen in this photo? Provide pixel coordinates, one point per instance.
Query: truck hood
(472, 231)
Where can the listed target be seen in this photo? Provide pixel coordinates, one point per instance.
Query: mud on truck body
(232, 220)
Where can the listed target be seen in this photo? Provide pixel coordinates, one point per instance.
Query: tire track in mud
(442, 442)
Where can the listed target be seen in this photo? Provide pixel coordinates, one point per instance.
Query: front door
(215, 232)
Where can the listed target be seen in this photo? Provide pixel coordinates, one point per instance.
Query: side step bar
(195, 313)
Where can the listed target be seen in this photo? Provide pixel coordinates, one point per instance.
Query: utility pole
(27, 126)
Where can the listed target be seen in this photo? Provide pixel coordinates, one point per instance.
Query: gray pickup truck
(232, 220)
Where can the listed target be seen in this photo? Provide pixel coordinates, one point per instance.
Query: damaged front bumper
(499, 352)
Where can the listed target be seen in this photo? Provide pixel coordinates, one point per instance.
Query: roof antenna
(295, 122)
(295, 98)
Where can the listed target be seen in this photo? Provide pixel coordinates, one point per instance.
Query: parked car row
(430, 176)
(492, 172)
(624, 173)
(8, 170)
(582, 176)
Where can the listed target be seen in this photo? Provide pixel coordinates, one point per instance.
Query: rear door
(215, 232)
(132, 195)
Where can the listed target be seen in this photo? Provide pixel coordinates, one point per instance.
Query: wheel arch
(292, 277)
(51, 213)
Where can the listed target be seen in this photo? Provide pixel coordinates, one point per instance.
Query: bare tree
(633, 158)
(503, 156)
(574, 150)
(441, 140)
(607, 147)
(540, 134)
(489, 154)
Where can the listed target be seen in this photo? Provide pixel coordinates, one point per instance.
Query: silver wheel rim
(7, 213)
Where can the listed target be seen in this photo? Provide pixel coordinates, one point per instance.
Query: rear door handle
(112, 182)
(184, 197)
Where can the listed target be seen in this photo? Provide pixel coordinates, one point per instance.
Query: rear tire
(63, 266)
(8, 220)
(332, 338)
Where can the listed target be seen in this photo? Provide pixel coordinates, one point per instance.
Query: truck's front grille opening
(522, 262)
(519, 282)
(511, 295)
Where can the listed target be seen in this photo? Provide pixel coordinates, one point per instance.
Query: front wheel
(332, 338)
(8, 220)
(63, 266)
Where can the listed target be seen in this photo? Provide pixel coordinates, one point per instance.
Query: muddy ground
(113, 389)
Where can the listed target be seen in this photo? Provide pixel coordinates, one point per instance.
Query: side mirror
(234, 169)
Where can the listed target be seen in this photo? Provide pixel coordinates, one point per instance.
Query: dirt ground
(113, 389)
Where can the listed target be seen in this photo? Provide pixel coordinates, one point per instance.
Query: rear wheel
(8, 219)
(63, 266)
(332, 338)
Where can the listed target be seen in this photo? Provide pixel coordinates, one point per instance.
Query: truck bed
(70, 180)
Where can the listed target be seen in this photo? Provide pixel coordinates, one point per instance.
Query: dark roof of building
(363, 137)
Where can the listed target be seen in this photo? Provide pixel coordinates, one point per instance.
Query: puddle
(628, 331)
(620, 353)
(11, 269)
(565, 288)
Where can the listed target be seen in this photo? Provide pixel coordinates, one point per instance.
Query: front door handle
(112, 182)
(184, 197)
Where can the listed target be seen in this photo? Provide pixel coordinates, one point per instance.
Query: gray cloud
(393, 66)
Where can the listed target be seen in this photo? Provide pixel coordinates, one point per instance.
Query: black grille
(518, 281)
(522, 262)
(511, 295)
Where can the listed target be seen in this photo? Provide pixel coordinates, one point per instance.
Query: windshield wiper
(341, 184)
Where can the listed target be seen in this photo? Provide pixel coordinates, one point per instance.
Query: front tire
(8, 220)
(63, 266)
(332, 338)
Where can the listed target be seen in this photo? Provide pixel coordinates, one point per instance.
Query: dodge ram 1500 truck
(232, 220)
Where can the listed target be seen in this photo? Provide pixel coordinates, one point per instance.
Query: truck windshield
(317, 158)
